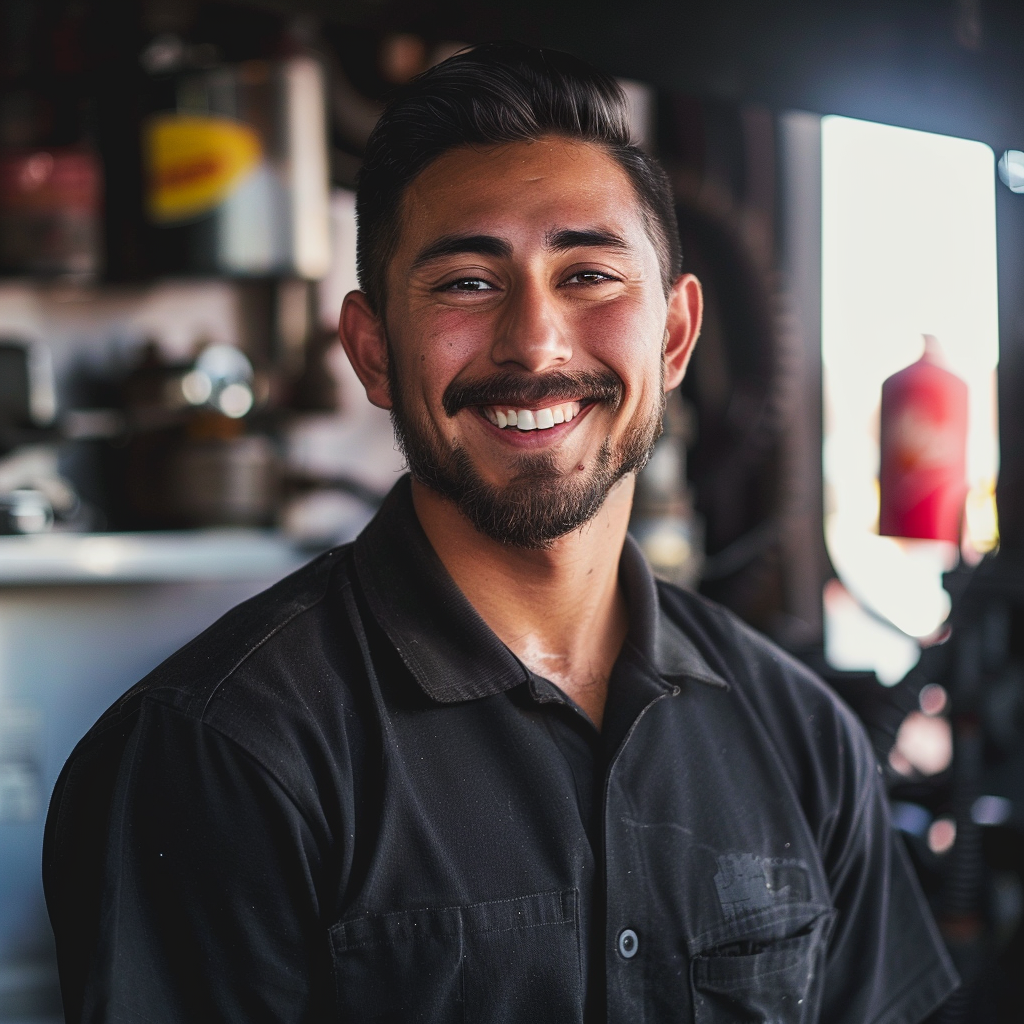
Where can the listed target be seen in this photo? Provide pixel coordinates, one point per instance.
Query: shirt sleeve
(887, 963)
(210, 908)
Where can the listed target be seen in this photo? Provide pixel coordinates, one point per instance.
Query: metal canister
(236, 172)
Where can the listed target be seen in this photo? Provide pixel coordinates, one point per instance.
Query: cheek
(437, 354)
(628, 343)
(453, 337)
(436, 347)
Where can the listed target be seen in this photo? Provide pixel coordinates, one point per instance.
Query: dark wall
(1010, 491)
(940, 65)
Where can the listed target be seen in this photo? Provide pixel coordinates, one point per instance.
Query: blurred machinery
(956, 774)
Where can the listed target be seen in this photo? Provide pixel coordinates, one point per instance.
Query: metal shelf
(146, 557)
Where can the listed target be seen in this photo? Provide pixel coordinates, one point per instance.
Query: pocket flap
(765, 925)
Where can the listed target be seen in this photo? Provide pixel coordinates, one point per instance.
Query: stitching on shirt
(120, 1012)
(563, 916)
(125, 789)
(148, 689)
(273, 632)
(763, 971)
(561, 893)
(187, 712)
(791, 915)
(371, 943)
(855, 822)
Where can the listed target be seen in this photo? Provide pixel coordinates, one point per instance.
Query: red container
(50, 206)
(923, 479)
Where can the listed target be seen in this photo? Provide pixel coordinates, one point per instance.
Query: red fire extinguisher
(923, 478)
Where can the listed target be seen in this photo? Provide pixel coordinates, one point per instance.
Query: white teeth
(525, 420)
(532, 419)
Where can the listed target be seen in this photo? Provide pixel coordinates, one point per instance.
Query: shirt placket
(629, 940)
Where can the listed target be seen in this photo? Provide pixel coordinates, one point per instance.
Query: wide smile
(532, 427)
(547, 417)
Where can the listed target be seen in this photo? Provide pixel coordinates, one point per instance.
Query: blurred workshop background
(843, 466)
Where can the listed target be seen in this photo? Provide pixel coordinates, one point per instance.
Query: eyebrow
(490, 245)
(592, 238)
(457, 245)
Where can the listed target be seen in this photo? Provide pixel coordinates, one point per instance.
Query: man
(480, 766)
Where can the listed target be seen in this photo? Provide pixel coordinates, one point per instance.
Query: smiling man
(479, 766)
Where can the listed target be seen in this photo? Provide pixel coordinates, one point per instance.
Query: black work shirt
(348, 801)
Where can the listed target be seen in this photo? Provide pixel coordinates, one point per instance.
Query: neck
(559, 609)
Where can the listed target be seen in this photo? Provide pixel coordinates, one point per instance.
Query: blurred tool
(188, 455)
(35, 497)
(923, 478)
(27, 398)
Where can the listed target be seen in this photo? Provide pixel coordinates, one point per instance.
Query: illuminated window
(908, 248)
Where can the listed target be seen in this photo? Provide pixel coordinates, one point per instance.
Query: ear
(682, 327)
(365, 343)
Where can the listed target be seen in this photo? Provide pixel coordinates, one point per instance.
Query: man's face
(526, 323)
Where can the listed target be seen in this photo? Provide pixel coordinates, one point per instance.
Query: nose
(532, 331)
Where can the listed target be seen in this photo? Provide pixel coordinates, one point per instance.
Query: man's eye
(468, 284)
(589, 277)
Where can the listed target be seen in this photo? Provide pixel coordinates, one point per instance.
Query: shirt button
(628, 943)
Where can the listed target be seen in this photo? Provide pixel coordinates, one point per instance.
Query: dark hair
(491, 94)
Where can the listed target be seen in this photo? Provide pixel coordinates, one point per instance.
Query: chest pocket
(767, 968)
(503, 961)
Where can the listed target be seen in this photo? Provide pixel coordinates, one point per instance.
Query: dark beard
(540, 503)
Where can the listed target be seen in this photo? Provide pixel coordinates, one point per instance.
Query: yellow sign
(194, 163)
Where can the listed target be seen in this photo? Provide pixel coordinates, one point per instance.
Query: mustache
(526, 390)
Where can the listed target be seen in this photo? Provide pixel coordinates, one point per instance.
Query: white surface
(857, 641)
(146, 557)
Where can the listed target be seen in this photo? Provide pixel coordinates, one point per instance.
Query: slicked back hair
(492, 94)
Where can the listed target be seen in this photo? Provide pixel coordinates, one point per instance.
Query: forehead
(518, 188)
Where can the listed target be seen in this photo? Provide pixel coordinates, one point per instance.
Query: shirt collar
(669, 650)
(451, 652)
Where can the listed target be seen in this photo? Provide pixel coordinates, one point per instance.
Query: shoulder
(745, 658)
(815, 735)
(268, 694)
(265, 675)
(258, 628)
